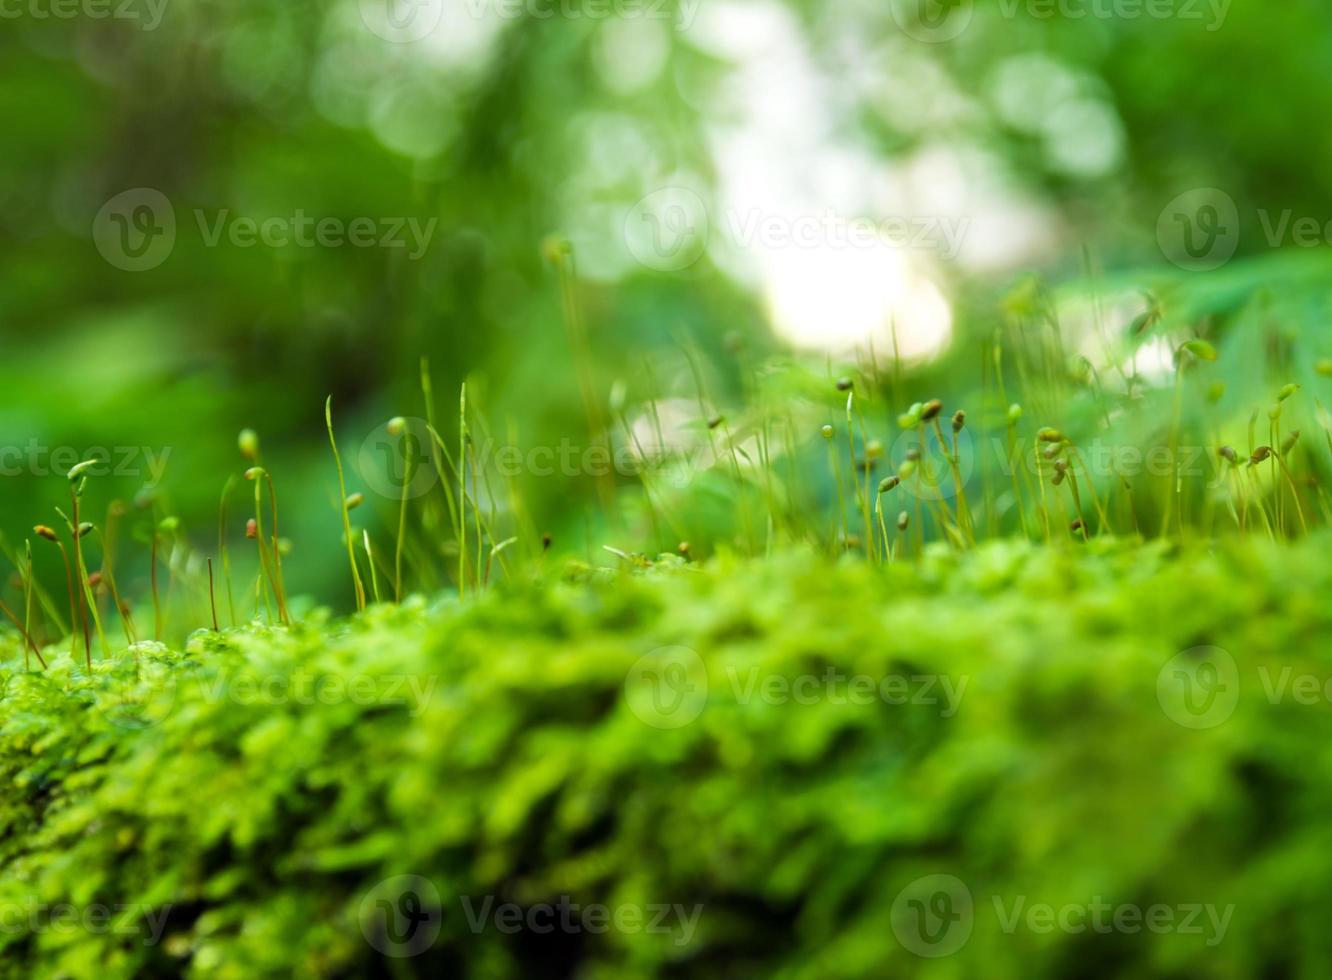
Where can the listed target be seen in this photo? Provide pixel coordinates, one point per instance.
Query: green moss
(247, 795)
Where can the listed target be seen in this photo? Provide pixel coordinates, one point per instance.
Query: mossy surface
(1009, 718)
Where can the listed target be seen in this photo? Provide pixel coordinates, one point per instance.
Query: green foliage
(243, 791)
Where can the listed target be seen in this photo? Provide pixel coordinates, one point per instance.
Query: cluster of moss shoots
(1054, 499)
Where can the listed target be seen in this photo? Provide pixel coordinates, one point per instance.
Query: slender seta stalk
(27, 609)
(342, 498)
(222, 551)
(274, 574)
(370, 558)
(43, 531)
(397, 427)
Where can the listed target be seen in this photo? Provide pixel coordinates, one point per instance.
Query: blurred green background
(654, 138)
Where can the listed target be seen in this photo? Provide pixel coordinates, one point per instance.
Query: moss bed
(750, 768)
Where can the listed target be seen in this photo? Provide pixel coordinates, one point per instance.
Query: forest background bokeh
(704, 160)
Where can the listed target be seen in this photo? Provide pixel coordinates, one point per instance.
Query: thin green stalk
(27, 637)
(955, 470)
(937, 502)
(263, 583)
(272, 572)
(1014, 464)
(157, 601)
(862, 498)
(1101, 514)
(883, 530)
(80, 576)
(576, 329)
(462, 490)
(437, 444)
(1274, 433)
(279, 583)
(212, 596)
(27, 609)
(841, 494)
(73, 609)
(740, 486)
(108, 573)
(654, 518)
(342, 504)
(222, 544)
(1173, 490)
(1294, 492)
(1040, 482)
(370, 556)
(44, 600)
(90, 601)
(402, 512)
(497, 552)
